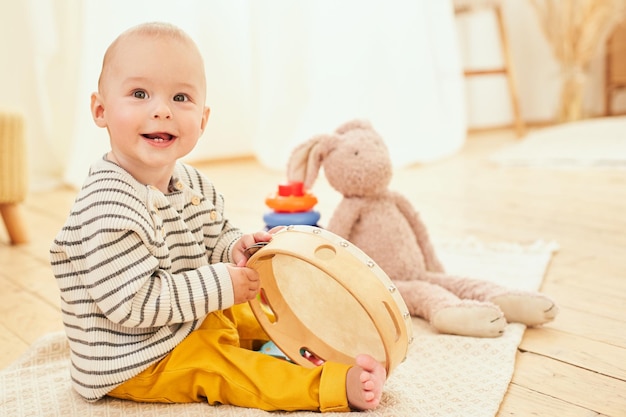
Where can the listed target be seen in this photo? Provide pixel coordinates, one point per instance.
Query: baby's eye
(140, 94)
(180, 97)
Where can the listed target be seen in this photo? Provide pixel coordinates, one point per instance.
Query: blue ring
(308, 218)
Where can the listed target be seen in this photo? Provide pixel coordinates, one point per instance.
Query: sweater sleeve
(131, 289)
(139, 271)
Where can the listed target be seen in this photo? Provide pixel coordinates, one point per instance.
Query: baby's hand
(239, 250)
(245, 281)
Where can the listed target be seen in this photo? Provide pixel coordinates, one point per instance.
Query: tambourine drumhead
(322, 295)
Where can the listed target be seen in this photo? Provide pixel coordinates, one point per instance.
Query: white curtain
(278, 72)
(38, 69)
(395, 63)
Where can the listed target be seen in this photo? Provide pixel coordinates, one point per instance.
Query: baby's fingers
(254, 283)
(246, 283)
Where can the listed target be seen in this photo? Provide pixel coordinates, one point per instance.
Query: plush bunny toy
(384, 225)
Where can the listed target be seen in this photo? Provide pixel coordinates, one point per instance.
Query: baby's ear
(205, 117)
(97, 110)
(306, 159)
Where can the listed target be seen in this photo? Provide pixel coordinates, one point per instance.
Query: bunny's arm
(420, 231)
(344, 217)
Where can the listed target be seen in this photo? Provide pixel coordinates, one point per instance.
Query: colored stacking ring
(309, 218)
(292, 203)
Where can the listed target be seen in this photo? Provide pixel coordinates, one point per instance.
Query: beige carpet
(442, 376)
(597, 143)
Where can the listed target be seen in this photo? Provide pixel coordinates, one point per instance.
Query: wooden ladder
(461, 7)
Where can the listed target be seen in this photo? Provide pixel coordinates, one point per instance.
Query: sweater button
(213, 215)
(179, 185)
(195, 200)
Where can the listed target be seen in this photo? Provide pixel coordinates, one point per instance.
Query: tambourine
(321, 297)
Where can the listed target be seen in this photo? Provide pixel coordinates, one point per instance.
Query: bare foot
(364, 383)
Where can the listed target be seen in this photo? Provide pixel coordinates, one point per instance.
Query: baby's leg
(364, 383)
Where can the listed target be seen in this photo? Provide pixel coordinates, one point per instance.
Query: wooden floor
(575, 366)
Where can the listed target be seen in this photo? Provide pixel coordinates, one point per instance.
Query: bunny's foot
(531, 309)
(470, 318)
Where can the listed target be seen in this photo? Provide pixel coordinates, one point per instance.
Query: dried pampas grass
(575, 29)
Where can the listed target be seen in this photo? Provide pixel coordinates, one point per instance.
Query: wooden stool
(468, 6)
(13, 178)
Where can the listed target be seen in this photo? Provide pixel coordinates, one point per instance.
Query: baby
(152, 275)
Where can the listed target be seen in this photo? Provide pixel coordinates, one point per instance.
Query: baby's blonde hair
(150, 29)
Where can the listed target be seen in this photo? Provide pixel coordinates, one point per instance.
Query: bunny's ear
(353, 124)
(306, 159)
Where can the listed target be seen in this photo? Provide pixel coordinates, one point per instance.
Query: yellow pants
(215, 363)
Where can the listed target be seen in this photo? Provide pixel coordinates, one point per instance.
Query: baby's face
(152, 101)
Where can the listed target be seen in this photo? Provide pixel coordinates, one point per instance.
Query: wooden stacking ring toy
(323, 297)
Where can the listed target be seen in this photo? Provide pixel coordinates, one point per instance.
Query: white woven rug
(442, 376)
(598, 143)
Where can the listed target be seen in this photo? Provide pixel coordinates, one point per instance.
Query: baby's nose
(162, 111)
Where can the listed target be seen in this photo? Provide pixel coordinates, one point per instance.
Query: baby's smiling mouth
(158, 137)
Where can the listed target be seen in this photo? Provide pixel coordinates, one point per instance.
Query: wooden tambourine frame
(323, 296)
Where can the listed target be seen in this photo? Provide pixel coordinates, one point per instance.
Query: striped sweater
(138, 271)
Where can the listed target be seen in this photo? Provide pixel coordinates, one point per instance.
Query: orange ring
(291, 204)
